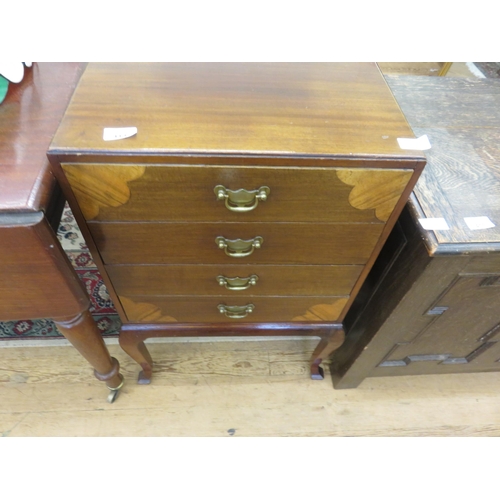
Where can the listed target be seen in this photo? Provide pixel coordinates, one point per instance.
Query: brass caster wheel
(113, 394)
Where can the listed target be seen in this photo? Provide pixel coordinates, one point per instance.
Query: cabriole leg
(326, 346)
(137, 350)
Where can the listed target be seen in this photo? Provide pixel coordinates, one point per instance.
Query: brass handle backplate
(239, 248)
(236, 312)
(241, 200)
(237, 283)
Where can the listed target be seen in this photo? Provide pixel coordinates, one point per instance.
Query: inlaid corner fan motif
(99, 186)
(375, 189)
(143, 312)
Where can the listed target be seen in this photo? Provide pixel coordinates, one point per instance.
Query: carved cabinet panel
(462, 329)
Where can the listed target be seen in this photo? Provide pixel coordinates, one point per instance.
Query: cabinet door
(461, 334)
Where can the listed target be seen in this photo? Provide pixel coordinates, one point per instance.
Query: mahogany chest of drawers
(253, 199)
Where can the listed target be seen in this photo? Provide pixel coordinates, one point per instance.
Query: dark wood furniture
(37, 279)
(252, 201)
(432, 301)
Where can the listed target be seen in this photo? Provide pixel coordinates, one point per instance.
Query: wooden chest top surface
(461, 117)
(277, 109)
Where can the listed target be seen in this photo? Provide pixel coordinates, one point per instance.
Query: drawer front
(187, 193)
(177, 243)
(154, 309)
(254, 280)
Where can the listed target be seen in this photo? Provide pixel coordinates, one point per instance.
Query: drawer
(186, 193)
(203, 280)
(282, 243)
(157, 309)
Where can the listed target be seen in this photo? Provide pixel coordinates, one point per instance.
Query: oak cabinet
(431, 304)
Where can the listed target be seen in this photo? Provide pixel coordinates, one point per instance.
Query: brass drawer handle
(239, 248)
(237, 283)
(241, 200)
(236, 312)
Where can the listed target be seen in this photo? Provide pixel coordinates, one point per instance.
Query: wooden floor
(251, 388)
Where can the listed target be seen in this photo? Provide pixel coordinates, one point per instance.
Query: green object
(4, 86)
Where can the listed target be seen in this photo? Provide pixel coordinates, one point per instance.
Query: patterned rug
(102, 308)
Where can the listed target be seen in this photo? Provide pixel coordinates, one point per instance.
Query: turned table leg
(83, 334)
(326, 346)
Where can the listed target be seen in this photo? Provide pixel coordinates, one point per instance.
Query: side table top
(461, 117)
(29, 117)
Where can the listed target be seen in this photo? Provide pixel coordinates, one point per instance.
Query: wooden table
(253, 199)
(37, 279)
(432, 301)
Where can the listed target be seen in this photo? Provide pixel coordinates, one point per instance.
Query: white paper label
(114, 134)
(433, 224)
(478, 222)
(420, 144)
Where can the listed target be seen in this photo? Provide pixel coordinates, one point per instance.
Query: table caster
(114, 391)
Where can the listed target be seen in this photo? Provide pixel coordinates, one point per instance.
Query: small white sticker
(420, 144)
(478, 222)
(114, 134)
(433, 224)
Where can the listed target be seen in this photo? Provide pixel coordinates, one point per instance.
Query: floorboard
(256, 388)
